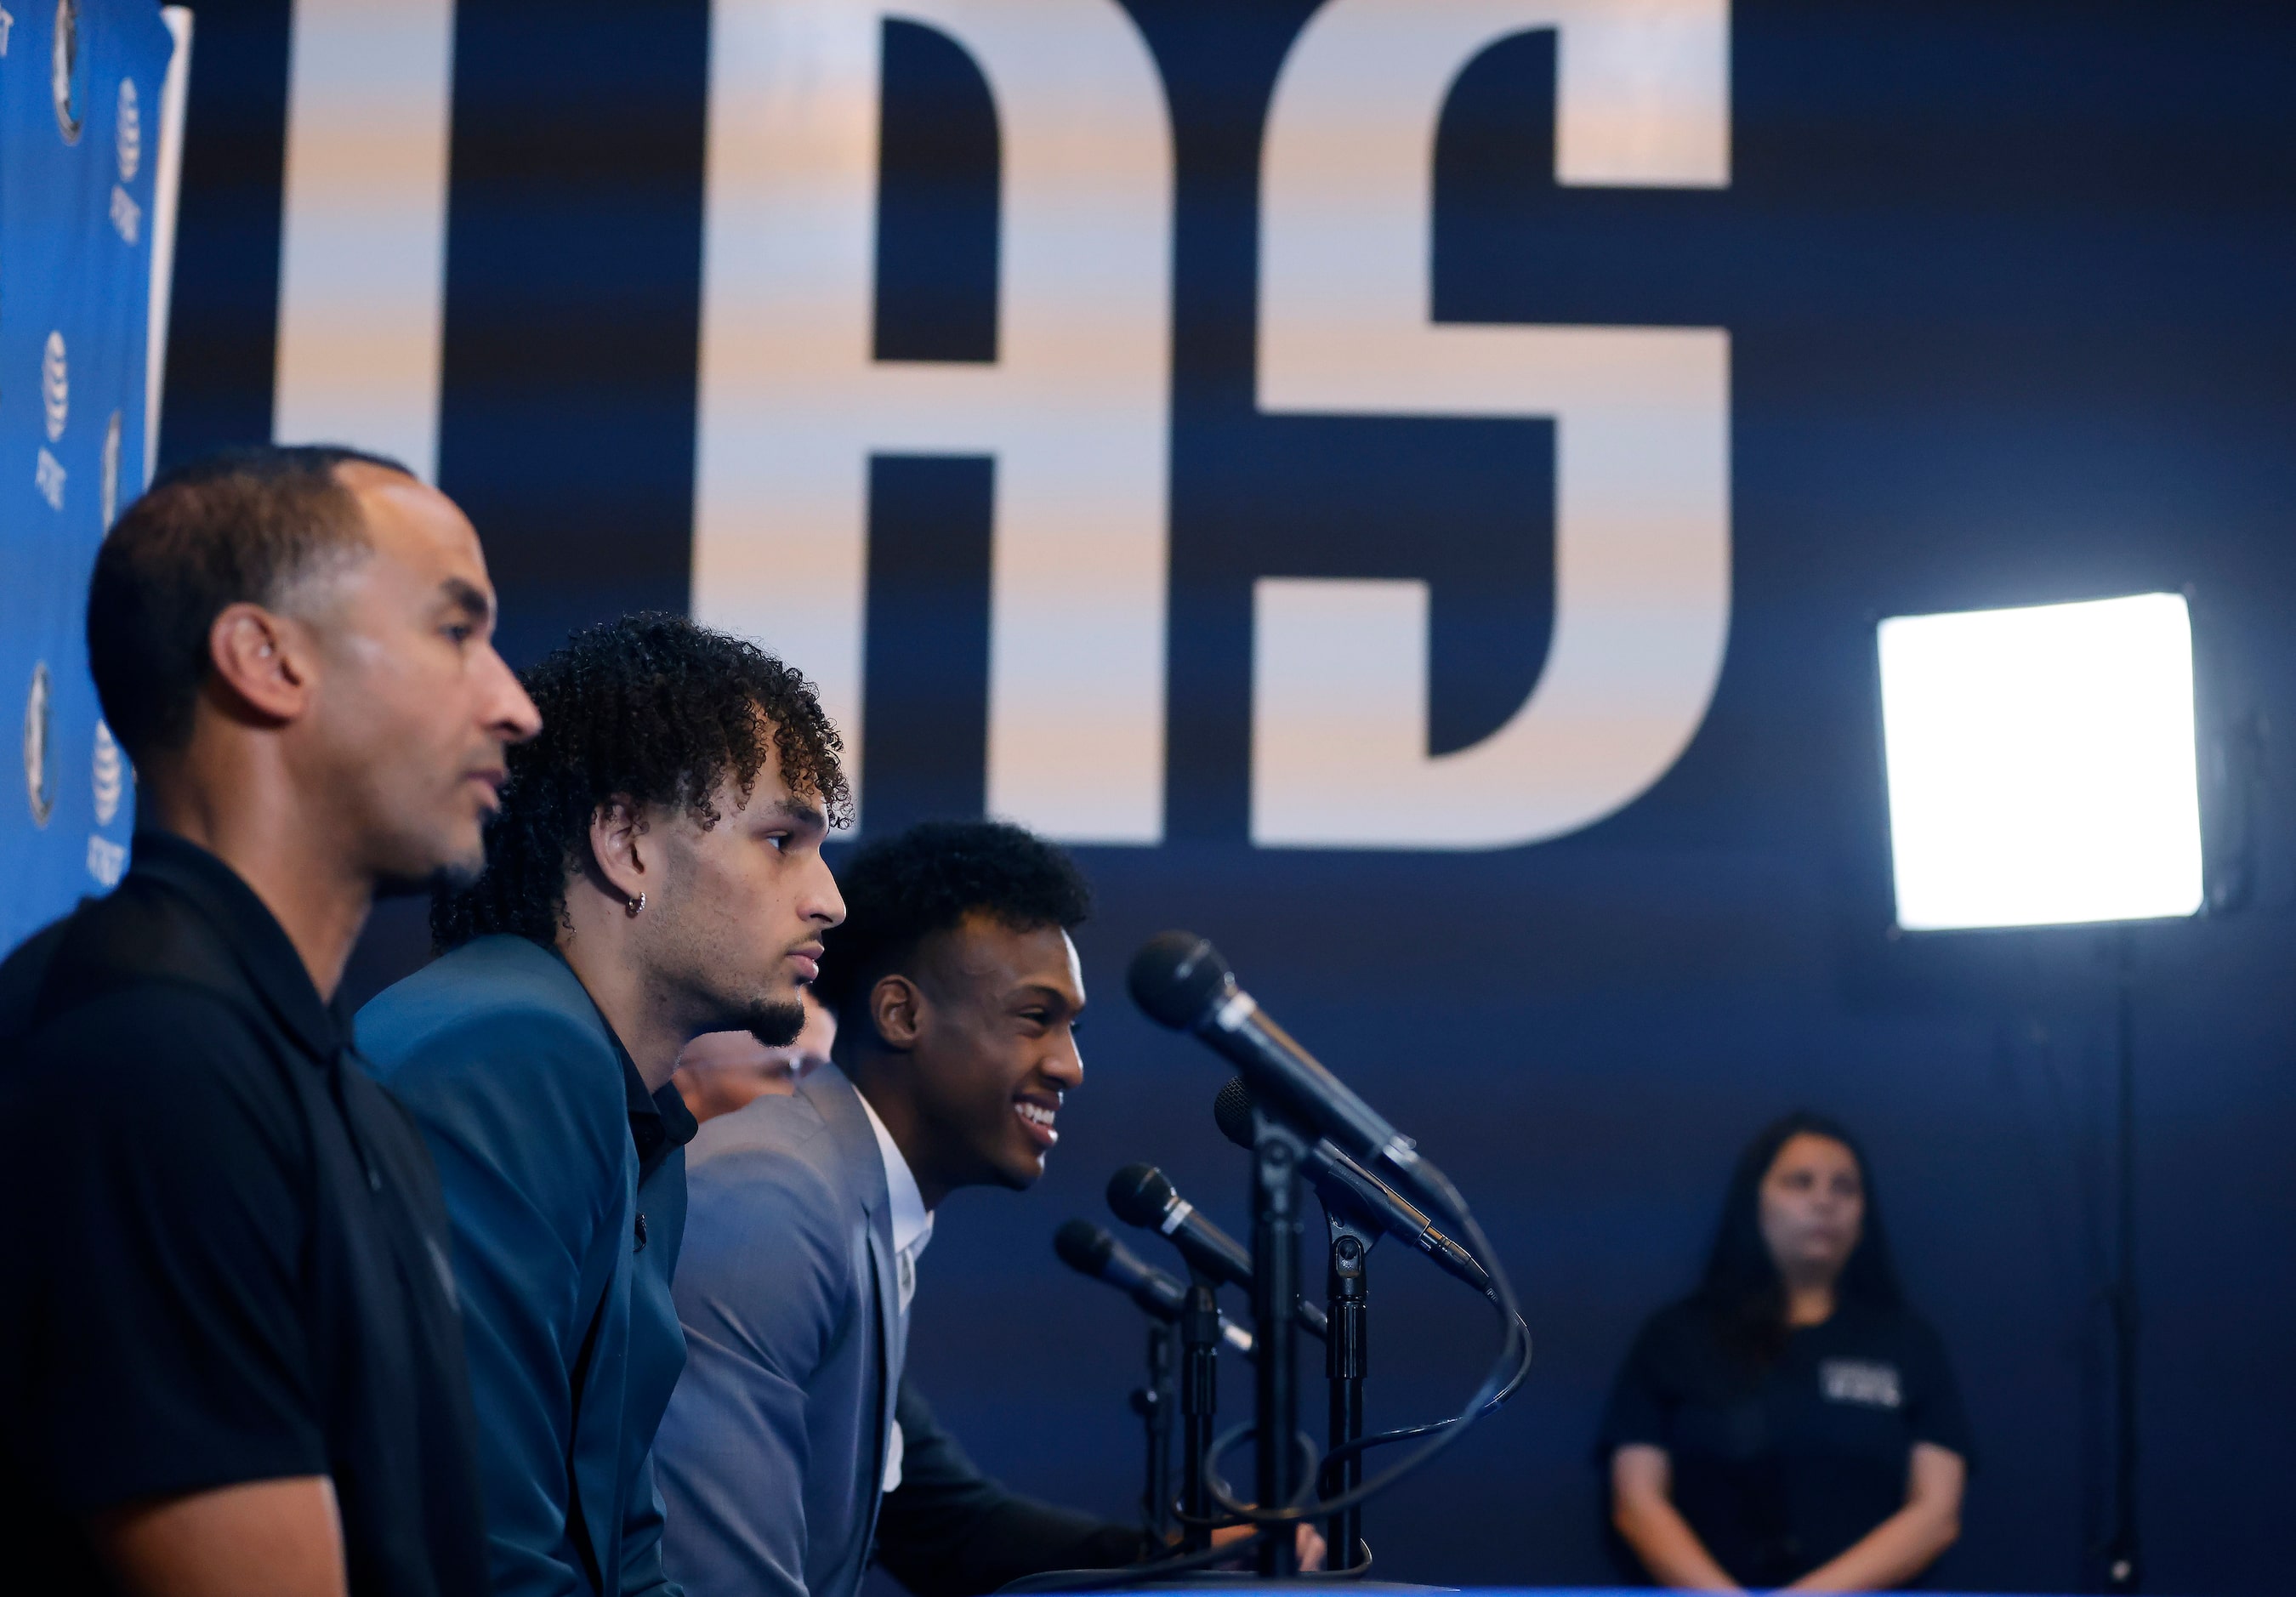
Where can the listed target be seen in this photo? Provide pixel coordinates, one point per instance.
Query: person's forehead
(1814, 1148)
(415, 526)
(984, 950)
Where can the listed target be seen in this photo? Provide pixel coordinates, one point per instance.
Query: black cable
(1494, 1388)
(1226, 1441)
(1443, 1434)
(1339, 1456)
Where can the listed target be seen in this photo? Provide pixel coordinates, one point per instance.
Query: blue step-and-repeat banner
(1407, 487)
(79, 97)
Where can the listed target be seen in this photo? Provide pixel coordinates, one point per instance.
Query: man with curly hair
(655, 873)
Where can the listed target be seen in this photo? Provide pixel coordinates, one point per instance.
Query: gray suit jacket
(771, 1455)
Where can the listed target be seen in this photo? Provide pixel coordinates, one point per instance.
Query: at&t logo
(109, 773)
(37, 789)
(55, 386)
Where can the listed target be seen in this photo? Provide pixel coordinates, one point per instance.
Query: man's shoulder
(780, 1154)
(137, 982)
(24, 975)
(151, 1060)
(496, 1046)
(496, 989)
(137, 937)
(777, 1127)
(773, 1207)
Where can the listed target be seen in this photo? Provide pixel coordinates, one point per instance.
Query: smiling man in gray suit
(956, 990)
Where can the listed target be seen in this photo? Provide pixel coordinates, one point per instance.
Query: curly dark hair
(928, 878)
(653, 709)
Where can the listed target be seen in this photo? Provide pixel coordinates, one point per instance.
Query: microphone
(1141, 1195)
(1345, 1183)
(1089, 1250)
(1180, 980)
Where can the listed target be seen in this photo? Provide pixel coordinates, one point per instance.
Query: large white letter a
(1074, 409)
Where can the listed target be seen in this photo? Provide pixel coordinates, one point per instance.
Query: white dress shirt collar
(912, 1222)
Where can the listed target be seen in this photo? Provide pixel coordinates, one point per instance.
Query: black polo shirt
(225, 1258)
(1779, 1469)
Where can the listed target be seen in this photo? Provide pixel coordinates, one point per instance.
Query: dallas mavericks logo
(111, 486)
(110, 773)
(68, 72)
(55, 386)
(131, 131)
(37, 789)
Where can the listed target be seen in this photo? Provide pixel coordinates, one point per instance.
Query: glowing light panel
(2042, 768)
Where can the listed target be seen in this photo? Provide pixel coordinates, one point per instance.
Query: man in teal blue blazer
(655, 873)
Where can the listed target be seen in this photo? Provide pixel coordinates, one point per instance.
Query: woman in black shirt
(1793, 1422)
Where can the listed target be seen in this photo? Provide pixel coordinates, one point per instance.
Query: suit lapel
(890, 1342)
(839, 1106)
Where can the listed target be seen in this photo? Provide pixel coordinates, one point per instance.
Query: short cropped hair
(928, 879)
(238, 526)
(652, 708)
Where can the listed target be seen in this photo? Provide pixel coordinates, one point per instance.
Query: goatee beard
(775, 1025)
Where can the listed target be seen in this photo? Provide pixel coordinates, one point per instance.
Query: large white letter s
(1642, 580)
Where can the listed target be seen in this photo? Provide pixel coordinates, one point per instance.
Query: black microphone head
(1177, 976)
(1139, 1195)
(1084, 1245)
(1233, 1109)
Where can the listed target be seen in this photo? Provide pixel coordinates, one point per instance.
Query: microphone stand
(1199, 1339)
(1154, 1402)
(1347, 1359)
(1277, 1151)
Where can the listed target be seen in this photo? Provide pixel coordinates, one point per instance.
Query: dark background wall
(2008, 288)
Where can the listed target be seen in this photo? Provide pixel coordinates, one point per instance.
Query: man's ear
(617, 843)
(897, 1010)
(263, 662)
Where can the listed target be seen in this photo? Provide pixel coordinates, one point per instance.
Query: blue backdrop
(2006, 285)
(79, 100)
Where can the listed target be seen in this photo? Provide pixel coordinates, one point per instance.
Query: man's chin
(776, 1025)
(1021, 1177)
(450, 878)
(421, 870)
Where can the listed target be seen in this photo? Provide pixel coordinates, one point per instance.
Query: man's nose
(824, 904)
(513, 714)
(1065, 1068)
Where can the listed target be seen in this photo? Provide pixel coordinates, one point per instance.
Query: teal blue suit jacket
(565, 1183)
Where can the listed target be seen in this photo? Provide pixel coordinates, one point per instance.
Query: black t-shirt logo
(1860, 1381)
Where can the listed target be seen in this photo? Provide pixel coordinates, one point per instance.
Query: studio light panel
(2041, 763)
